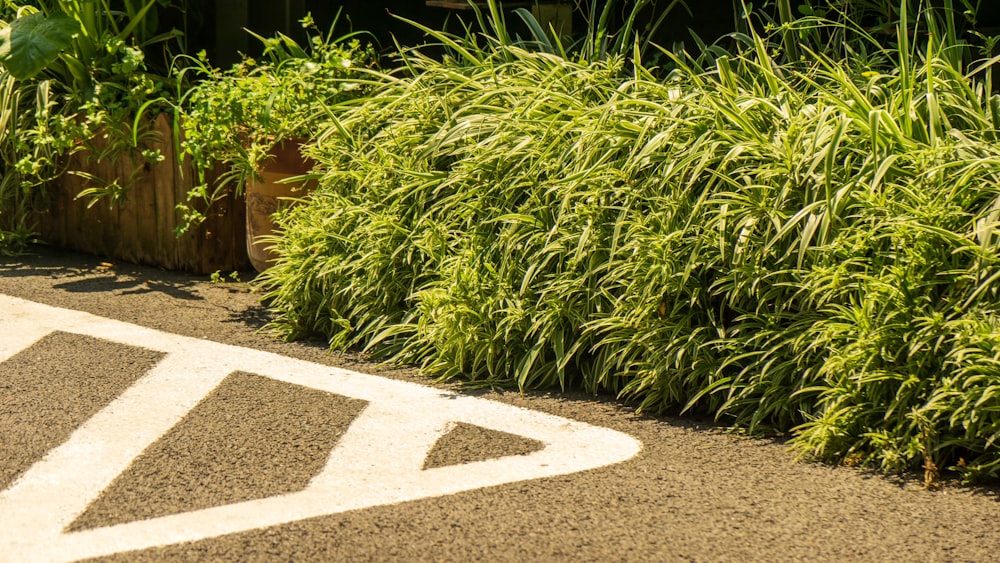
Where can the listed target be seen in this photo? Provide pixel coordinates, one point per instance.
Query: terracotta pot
(265, 194)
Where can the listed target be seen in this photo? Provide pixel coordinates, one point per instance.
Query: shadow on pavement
(254, 317)
(128, 285)
(92, 274)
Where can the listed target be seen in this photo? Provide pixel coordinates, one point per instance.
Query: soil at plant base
(694, 492)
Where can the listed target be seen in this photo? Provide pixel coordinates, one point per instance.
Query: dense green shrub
(808, 246)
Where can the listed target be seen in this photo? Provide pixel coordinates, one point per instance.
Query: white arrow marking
(378, 461)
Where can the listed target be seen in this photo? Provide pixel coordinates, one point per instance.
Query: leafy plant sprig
(77, 78)
(235, 116)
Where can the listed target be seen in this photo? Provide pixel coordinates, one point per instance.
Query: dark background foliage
(217, 25)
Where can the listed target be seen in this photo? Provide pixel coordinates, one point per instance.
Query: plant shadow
(94, 274)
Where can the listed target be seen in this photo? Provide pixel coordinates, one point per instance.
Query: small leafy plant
(74, 77)
(219, 277)
(235, 116)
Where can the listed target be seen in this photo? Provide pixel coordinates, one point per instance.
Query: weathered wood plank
(141, 228)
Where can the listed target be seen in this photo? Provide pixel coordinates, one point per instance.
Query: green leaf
(30, 43)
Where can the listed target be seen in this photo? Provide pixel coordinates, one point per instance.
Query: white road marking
(377, 462)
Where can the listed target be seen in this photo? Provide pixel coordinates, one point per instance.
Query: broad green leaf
(30, 43)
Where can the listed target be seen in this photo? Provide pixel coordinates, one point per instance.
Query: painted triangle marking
(464, 443)
(378, 461)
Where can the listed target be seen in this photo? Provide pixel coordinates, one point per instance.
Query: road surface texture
(692, 492)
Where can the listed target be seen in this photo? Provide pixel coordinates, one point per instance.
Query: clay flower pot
(267, 191)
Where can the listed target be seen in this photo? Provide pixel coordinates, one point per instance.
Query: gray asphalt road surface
(692, 493)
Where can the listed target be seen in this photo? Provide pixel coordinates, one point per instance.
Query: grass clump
(797, 245)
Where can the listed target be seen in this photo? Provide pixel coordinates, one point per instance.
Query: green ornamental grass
(792, 245)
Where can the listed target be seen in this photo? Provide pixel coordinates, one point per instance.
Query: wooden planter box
(141, 228)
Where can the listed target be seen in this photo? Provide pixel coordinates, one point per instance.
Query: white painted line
(378, 461)
(58, 488)
(14, 338)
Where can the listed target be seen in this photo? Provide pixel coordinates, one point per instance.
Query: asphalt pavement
(144, 416)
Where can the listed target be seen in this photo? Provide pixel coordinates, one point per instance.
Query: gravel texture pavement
(694, 492)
